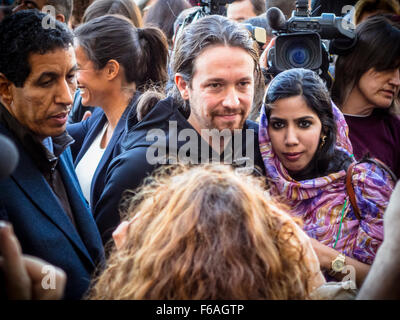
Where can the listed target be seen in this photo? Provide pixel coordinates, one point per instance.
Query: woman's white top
(88, 164)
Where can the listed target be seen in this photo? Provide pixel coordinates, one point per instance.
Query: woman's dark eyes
(277, 125)
(302, 124)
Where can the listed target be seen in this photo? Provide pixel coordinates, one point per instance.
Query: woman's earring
(323, 138)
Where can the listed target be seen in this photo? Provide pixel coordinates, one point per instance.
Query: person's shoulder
(250, 124)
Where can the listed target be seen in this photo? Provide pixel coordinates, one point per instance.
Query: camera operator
(305, 42)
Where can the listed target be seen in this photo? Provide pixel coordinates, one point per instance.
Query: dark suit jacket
(84, 134)
(42, 226)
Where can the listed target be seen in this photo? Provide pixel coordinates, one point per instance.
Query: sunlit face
(92, 82)
(222, 88)
(240, 10)
(295, 132)
(43, 103)
(379, 89)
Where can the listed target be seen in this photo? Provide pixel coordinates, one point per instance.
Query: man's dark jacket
(130, 168)
(42, 225)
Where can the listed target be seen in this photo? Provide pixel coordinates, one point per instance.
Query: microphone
(9, 157)
(276, 19)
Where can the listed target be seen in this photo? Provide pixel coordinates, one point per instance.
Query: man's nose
(231, 98)
(66, 93)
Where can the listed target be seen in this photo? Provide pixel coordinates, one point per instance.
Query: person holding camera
(307, 156)
(366, 89)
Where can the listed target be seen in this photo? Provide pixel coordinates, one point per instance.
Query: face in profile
(44, 101)
(295, 132)
(379, 88)
(91, 82)
(222, 88)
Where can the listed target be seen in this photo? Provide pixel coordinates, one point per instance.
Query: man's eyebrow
(51, 74)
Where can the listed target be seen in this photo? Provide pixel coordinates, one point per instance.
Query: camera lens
(298, 50)
(298, 55)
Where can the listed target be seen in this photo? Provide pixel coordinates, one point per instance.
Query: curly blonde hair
(205, 232)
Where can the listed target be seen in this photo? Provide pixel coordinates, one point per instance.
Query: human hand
(325, 254)
(264, 56)
(24, 274)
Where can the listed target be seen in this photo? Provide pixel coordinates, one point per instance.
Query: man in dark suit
(42, 198)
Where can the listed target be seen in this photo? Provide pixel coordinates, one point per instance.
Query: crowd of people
(141, 176)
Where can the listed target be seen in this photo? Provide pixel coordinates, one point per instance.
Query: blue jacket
(85, 132)
(42, 226)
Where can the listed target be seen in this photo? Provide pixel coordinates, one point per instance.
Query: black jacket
(152, 142)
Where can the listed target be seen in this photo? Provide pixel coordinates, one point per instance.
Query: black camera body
(213, 6)
(299, 41)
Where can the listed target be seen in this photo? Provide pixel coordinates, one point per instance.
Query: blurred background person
(207, 232)
(163, 13)
(241, 10)
(368, 8)
(126, 8)
(63, 8)
(366, 89)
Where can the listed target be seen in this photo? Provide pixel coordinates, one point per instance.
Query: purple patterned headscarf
(319, 202)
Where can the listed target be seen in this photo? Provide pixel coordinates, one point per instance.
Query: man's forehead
(216, 55)
(57, 60)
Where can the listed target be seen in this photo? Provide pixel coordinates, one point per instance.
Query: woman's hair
(143, 53)
(195, 38)
(363, 7)
(163, 13)
(377, 47)
(308, 85)
(206, 232)
(126, 8)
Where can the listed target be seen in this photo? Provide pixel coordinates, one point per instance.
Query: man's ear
(5, 90)
(60, 17)
(112, 69)
(182, 85)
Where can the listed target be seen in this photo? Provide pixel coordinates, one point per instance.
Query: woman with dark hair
(366, 89)
(306, 152)
(99, 8)
(126, 8)
(163, 13)
(207, 232)
(111, 72)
